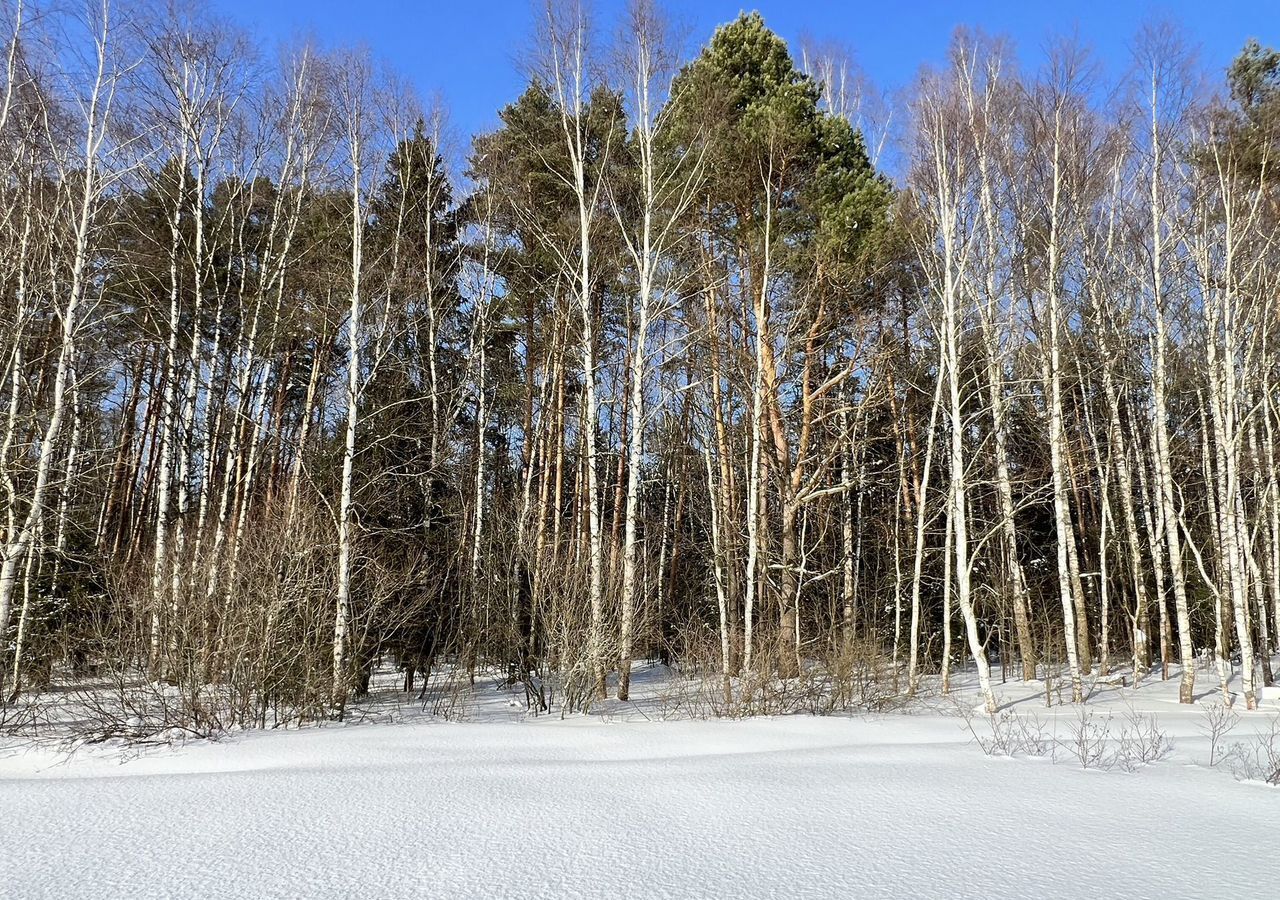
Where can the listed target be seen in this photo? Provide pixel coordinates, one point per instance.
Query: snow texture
(617, 806)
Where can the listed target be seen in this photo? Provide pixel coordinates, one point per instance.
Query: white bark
(568, 68)
(97, 118)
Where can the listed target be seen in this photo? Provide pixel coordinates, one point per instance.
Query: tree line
(665, 366)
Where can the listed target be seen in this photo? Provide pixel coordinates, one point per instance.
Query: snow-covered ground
(620, 805)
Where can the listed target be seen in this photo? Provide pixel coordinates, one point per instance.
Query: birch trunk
(97, 113)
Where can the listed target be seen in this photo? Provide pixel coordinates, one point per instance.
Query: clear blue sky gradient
(467, 51)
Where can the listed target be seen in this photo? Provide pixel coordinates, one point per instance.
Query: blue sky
(466, 51)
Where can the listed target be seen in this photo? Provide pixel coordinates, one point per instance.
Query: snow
(615, 804)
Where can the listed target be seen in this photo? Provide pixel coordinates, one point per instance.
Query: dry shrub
(853, 678)
(1258, 759)
(245, 640)
(571, 651)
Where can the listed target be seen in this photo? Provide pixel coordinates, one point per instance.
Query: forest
(716, 359)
